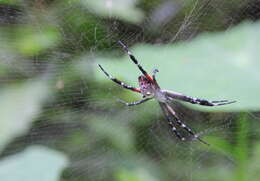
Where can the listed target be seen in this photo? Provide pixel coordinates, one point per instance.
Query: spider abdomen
(160, 96)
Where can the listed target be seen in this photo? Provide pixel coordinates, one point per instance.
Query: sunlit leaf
(134, 175)
(213, 66)
(35, 163)
(136, 169)
(124, 10)
(18, 106)
(31, 41)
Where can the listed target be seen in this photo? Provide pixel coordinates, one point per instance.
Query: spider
(150, 89)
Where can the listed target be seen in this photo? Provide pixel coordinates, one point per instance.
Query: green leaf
(124, 10)
(35, 163)
(18, 106)
(31, 41)
(136, 168)
(241, 148)
(213, 66)
(219, 145)
(9, 2)
(133, 175)
(254, 166)
(119, 135)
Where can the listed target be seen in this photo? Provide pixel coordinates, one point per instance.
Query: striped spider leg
(170, 122)
(119, 82)
(203, 102)
(169, 112)
(132, 57)
(150, 89)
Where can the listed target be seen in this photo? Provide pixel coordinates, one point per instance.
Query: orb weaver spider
(150, 89)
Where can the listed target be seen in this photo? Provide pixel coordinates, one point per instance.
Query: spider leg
(170, 123)
(154, 79)
(122, 84)
(132, 57)
(135, 103)
(154, 72)
(192, 100)
(182, 125)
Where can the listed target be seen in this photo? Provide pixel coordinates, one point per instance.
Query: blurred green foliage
(53, 94)
(49, 164)
(125, 10)
(23, 101)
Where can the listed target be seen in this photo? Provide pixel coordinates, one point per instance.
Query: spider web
(103, 139)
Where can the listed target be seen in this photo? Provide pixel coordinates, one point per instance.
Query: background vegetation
(58, 113)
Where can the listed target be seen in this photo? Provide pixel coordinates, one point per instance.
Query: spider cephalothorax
(146, 86)
(150, 89)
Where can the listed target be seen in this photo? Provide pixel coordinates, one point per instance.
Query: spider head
(146, 86)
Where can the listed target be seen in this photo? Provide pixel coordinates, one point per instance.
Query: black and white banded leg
(182, 125)
(170, 123)
(135, 103)
(192, 100)
(122, 84)
(132, 57)
(154, 79)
